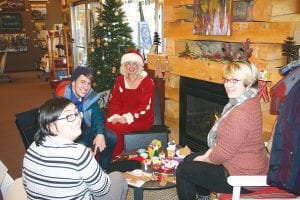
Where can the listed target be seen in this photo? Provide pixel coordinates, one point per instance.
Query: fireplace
(200, 103)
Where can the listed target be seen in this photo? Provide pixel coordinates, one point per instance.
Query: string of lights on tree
(111, 39)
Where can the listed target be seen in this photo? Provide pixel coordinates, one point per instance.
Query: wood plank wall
(271, 23)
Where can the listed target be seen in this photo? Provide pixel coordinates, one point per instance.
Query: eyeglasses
(131, 63)
(232, 81)
(71, 117)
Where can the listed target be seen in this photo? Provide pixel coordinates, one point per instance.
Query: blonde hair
(245, 71)
(124, 72)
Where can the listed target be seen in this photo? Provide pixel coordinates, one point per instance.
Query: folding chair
(27, 125)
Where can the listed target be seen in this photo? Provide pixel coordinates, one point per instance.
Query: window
(150, 21)
(84, 16)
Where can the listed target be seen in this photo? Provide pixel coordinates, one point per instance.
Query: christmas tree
(111, 39)
(290, 49)
(156, 41)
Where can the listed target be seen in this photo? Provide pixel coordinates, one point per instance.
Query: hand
(114, 120)
(204, 157)
(99, 143)
(122, 120)
(199, 158)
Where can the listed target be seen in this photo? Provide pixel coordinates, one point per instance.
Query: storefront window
(84, 17)
(145, 18)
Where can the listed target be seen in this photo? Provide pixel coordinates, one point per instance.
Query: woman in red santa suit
(131, 103)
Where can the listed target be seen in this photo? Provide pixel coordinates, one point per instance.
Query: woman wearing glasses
(235, 142)
(131, 103)
(55, 167)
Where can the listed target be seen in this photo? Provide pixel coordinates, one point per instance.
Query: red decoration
(263, 90)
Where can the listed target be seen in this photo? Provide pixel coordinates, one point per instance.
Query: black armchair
(27, 125)
(142, 139)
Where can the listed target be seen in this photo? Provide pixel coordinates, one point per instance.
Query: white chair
(238, 181)
(11, 189)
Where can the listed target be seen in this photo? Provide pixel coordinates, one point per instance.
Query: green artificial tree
(156, 41)
(111, 39)
(290, 49)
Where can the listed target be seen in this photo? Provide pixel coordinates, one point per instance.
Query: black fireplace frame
(208, 91)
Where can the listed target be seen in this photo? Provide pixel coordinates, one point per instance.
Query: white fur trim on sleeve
(143, 112)
(115, 116)
(121, 89)
(129, 117)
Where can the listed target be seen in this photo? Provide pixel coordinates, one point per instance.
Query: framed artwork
(212, 17)
(12, 5)
(145, 36)
(13, 42)
(10, 21)
(38, 11)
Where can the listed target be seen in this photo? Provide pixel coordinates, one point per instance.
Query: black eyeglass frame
(232, 81)
(71, 117)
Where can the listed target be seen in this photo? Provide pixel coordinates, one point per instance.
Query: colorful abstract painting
(212, 17)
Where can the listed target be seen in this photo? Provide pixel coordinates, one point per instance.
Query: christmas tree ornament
(106, 44)
(113, 70)
(98, 72)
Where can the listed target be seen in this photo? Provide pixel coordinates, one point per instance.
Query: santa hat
(133, 56)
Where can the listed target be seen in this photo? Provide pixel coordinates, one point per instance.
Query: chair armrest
(155, 129)
(247, 180)
(238, 181)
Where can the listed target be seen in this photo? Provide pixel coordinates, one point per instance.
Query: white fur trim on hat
(132, 57)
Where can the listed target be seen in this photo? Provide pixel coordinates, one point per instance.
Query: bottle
(156, 151)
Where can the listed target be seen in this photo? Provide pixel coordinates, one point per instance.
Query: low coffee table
(151, 185)
(168, 179)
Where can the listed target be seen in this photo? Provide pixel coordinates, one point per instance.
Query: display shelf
(58, 57)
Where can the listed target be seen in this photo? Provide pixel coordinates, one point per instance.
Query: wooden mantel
(272, 22)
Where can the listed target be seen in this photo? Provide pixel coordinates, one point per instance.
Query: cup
(171, 151)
